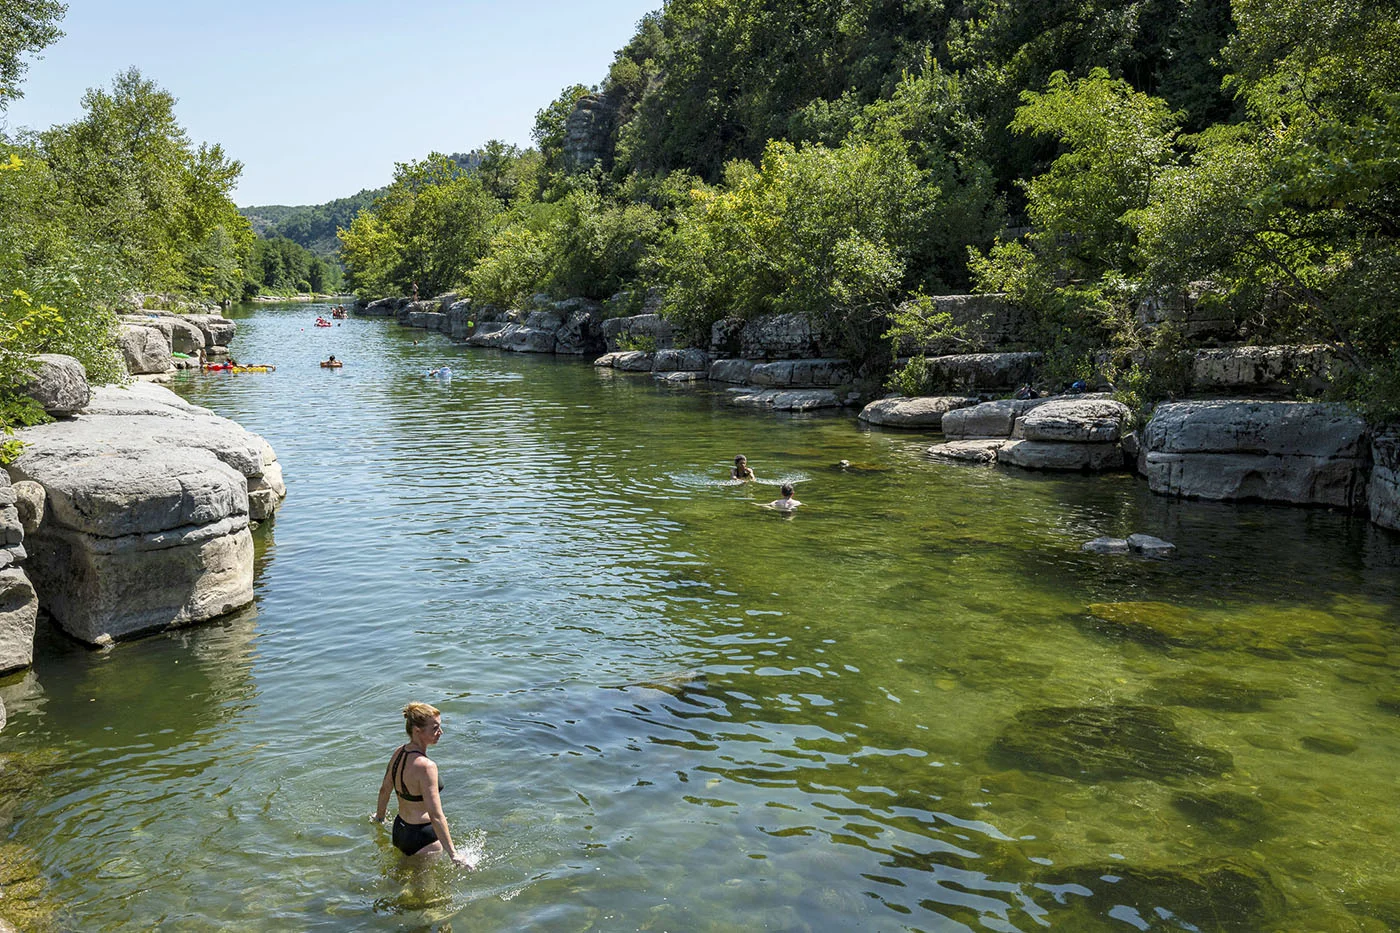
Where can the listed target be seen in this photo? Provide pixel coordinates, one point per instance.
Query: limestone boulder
(802, 373)
(1274, 370)
(984, 371)
(29, 504)
(146, 516)
(514, 336)
(184, 335)
(1075, 421)
(782, 337)
(1058, 455)
(989, 322)
(733, 371)
(983, 450)
(460, 321)
(1106, 545)
(989, 419)
(1297, 452)
(19, 611)
(680, 376)
(785, 399)
(628, 332)
(382, 307)
(218, 330)
(923, 412)
(687, 360)
(580, 333)
(58, 383)
(266, 490)
(1384, 491)
(634, 361)
(145, 349)
(426, 320)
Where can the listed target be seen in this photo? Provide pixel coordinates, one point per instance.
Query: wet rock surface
(1204, 690)
(967, 451)
(1212, 895)
(921, 412)
(1096, 743)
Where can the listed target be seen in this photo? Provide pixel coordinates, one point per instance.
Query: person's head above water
(786, 490)
(332, 359)
(419, 716)
(740, 460)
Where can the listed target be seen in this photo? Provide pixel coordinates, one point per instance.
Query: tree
(26, 26)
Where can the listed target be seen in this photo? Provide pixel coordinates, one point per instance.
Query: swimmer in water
(741, 469)
(420, 828)
(787, 503)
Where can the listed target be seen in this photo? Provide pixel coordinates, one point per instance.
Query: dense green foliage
(26, 26)
(281, 266)
(843, 159)
(118, 201)
(312, 227)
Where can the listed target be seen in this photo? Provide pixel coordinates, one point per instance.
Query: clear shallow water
(669, 709)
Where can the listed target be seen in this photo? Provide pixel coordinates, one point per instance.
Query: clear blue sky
(319, 99)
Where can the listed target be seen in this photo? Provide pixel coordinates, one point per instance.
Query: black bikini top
(396, 768)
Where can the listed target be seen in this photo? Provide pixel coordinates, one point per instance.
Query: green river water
(913, 705)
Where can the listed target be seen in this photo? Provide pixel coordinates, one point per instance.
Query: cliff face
(589, 133)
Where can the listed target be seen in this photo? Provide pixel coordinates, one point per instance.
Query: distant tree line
(847, 160)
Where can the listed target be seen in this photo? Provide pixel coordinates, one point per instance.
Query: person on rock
(420, 828)
(741, 469)
(787, 503)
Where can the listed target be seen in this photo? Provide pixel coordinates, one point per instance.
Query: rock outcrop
(621, 333)
(924, 412)
(983, 371)
(588, 132)
(1252, 371)
(145, 349)
(1297, 452)
(19, 609)
(1068, 434)
(147, 511)
(1383, 494)
(989, 419)
(58, 383)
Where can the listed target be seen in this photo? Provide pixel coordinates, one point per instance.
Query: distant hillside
(312, 226)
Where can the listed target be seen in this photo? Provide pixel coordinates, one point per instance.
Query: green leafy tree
(26, 26)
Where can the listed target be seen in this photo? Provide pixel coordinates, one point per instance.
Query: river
(668, 708)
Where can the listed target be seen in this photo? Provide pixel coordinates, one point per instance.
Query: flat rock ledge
(147, 508)
(1303, 453)
(926, 412)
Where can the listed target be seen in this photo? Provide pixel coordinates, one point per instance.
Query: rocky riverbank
(132, 511)
(1243, 436)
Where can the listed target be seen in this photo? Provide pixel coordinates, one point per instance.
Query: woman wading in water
(420, 828)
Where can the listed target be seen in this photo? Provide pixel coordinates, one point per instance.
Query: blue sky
(319, 99)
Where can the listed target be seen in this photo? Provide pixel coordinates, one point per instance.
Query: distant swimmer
(445, 372)
(332, 363)
(741, 469)
(420, 828)
(787, 503)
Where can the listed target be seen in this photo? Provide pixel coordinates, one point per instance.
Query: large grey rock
(688, 360)
(580, 333)
(405, 311)
(426, 320)
(517, 337)
(266, 490)
(460, 322)
(989, 419)
(802, 373)
(58, 383)
(382, 307)
(1298, 452)
(1106, 545)
(680, 376)
(634, 361)
(19, 610)
(922, 412)
(1058, 455)
(1149, 546)
(1075, 420)
(1384, 491)
(735, 371)
(185, 335)
(29, 503)
(145, 349)
(147, 513)
(622, 332)
(785, 399)
(218, 330)
(1254, 370)
(983, 371)
(1191, 316)
(782, 337)
(983, 450)
(1255, 427)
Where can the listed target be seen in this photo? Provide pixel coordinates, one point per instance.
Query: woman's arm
(432, 800)
(386, 787)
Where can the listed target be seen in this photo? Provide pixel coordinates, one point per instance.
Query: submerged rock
(1214, 895)
(1204, 690)
(1330, 744)
(1106, 545)
(1224, 812)
(1153, 622)
(1096, 743)
(1148, 546)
